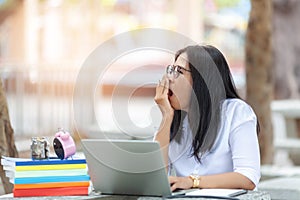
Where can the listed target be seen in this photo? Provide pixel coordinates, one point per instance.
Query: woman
(208, 135)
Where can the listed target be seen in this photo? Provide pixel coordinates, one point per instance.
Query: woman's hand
(180, 182)
(163, 133)
(161, 98)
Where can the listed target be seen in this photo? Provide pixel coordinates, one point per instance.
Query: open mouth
(170, 93)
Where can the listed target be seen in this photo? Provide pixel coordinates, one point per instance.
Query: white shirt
(236, 148)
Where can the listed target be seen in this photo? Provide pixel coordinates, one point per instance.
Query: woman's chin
(174, 103)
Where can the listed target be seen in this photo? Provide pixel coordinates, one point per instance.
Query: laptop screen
(131, 167)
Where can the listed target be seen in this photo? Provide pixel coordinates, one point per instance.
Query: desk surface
(251, 195)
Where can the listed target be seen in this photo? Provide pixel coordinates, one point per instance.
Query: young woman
(208, 135)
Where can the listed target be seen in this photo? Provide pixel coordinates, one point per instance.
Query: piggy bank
(64, 145)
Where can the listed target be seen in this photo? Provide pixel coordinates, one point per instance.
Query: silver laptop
(131, 167)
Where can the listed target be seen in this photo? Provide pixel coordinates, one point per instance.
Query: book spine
(38, 173)
(49, 162)
(68, 191)
(51, 179)
(52, 185)
(51, 167)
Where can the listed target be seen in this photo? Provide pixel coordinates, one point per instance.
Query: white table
(251, 195)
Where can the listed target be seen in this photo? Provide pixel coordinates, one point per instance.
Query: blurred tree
(286, 40)
(259, 90)
(286, 30)
(226, 3)
(7, 7)
(7, 143)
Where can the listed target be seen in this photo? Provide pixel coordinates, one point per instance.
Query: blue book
(51, 179)
(9, 161)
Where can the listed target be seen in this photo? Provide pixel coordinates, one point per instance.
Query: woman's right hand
(161, 98)
(163, 133)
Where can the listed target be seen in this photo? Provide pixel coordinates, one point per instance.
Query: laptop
(126, 167)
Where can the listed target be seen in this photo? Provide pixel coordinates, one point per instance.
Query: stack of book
(51, 177)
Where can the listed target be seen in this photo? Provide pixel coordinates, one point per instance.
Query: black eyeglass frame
(175, 70)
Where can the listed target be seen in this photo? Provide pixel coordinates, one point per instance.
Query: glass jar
(39, 148)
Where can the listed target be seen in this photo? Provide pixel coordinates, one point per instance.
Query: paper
(217, 192)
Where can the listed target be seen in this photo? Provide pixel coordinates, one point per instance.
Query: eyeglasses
(175, 70)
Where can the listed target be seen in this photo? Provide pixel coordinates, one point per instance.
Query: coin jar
(39, 148)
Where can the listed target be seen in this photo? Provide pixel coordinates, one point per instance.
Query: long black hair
(212, 84)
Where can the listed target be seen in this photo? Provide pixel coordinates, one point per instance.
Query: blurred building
(43, 44)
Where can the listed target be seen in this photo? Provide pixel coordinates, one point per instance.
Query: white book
(217, 192)
(39, 173)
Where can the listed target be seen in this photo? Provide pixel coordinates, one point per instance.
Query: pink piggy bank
(64, 145)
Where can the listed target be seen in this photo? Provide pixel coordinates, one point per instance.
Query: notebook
(126, 167)
(216, 193)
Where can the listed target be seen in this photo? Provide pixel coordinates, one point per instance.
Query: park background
(43, 44)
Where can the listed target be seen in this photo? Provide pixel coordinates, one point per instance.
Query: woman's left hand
(180, 182)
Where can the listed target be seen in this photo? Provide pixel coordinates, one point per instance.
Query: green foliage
(8, 4)
(226, 3)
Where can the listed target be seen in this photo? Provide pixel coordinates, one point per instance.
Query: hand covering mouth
(170, 93)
